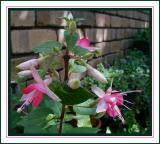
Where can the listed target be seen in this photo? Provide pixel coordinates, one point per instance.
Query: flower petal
(47, 81)
(27, 96)
(26, 65)
(84, 42)
(35, 74)
(40, 88)
(99, 92)
(52, 95)
(37, 99)
(29, 89)
(96, 74)
(102, 106)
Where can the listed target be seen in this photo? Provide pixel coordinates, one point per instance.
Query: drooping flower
(96, 74)
(24, 73)
(26, 65)
(110, 101)
(34, 92)
(85, 43)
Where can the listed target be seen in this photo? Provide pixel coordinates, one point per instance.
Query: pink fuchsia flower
(85, 43)
(110, 100)
(26, 65)
(34, 92)
(96, 74)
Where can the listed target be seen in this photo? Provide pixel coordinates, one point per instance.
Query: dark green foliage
(70, 96)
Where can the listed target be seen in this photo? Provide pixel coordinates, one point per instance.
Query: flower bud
(49, 117)
(96, 74)
(26, 65)
(70, 16)
(88, 55)
(74, 83)
(72, 26)
(24, 73)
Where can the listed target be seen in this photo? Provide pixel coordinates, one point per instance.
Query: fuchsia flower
(110, 101)
(85, 43)
(34, 92)
(96, 74)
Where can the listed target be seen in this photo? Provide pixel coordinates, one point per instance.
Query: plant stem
(61, 119)
(66, 61)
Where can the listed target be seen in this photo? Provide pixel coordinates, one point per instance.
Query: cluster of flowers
(108, 101)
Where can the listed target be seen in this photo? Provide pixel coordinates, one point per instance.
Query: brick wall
(110, 30)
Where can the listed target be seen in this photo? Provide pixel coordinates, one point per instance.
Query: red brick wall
(110, 30)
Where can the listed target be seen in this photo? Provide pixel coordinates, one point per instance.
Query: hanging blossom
(85, 43)
(110, 101)
(34, 92)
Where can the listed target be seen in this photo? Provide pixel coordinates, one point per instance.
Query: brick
(116, 21)
(132, 23)
(99, 35)
(104, 46)
(109, 34)
(112, 11)
(109, 59)
(15, 62)
(94, 35)
(22, 18)
(51, 18)
(115, 46)
(100, 20)
(120, 33)
(146, 24)
(125, 22)
(60, 35)
(90, 19)
(95, 61)
(127, 33)
(138, 24)
(130, 14)
(108, 21)
(121, 12)
(23, 41)
(91, 34)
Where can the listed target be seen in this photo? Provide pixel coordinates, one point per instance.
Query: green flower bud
(56, 49)
(72, 26)
(98, 52)
(74, 83)
(49, 117)
(88, 55)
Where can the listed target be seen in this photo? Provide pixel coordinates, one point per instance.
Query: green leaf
(70, 96)
(36, 120)
(82, 130)
(80, 51)
(85, 108)
(71, 39)
(84, 121)
(55, 106)
(48, 47)
(84, 111)
(78, 68)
